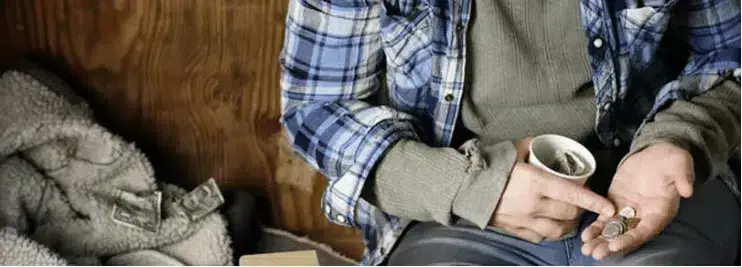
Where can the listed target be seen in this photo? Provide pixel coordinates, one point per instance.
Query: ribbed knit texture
(527, 61)
(527, 71)
(528, 74)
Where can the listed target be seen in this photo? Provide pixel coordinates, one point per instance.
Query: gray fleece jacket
(60, 176)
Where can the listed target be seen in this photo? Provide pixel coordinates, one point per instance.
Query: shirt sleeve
(331, 63)
(699, 105)
(708, 126)
(710, 29)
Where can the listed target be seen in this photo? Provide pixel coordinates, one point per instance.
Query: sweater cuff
(478, 196)
(418, 182)
(437, 184)
(707, 127)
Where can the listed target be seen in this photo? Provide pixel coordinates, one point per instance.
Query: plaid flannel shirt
(339, 56)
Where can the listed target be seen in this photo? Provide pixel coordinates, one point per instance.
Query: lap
(435, 244)
(705, 231)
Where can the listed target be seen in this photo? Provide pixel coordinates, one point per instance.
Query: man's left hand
(652, 182)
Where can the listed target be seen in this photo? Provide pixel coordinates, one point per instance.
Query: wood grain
(193, 83)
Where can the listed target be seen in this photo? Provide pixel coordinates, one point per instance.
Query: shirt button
(340, 218)
(459, 27)
(448, 97)
(616, 142)
(606, 106)
(327, 209)
(598, 42)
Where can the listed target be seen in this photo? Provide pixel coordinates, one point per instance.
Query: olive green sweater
(528, 74)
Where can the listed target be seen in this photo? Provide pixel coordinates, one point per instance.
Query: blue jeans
(706, 231)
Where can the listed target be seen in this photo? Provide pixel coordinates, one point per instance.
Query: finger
(684, 184)
(601, 251)
(594, 230)
(648, 227)
(508, 221)
(524, 233)
(557, 210)
(617, 254)
(589, 246)
(549, 228)
(523, 147)
(560, 189)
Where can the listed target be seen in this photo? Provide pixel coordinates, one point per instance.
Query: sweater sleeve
(708, 126)
(423, 183)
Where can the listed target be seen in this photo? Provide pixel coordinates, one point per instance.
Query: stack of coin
(617, 225)
(615, 228)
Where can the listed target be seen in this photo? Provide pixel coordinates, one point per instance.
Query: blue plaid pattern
(358, 75)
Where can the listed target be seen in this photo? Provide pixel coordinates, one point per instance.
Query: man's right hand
(537, 205)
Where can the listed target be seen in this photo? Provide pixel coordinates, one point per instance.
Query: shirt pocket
(406, 38)
(642, 30)
(407, 41)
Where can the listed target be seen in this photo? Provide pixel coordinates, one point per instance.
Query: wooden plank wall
(194, 83)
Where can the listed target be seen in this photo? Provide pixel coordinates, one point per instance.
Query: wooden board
(193, 83)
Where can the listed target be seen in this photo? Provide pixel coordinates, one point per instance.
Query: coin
(618, 225)
(613, 229)
(627, 212)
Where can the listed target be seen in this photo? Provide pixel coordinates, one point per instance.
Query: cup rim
(591, 159)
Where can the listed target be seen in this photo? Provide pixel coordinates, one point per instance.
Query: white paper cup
(543, 149)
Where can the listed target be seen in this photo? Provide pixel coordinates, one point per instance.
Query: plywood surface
(193, 83)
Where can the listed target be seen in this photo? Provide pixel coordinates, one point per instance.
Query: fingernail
(585, 238)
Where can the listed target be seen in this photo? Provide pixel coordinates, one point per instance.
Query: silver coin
(627, 212)
(611, 231)
(614, 228)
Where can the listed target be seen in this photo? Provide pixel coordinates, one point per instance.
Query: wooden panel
(193, 83)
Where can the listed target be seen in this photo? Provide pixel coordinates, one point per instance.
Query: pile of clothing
(73, 193)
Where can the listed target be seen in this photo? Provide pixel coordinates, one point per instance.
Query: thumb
(523, 146)
(684, 184)
(685, 180)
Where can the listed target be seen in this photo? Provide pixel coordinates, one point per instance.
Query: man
(378, 93)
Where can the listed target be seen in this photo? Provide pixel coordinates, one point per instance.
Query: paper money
(568, 163)
(201, 201)
(140, 212)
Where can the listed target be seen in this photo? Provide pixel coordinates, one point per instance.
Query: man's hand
(537, 205)
(652, 182)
